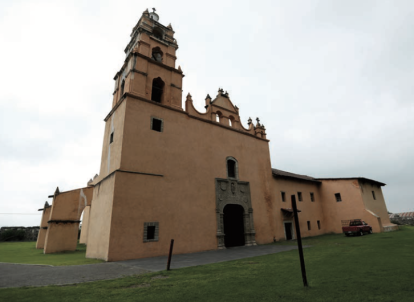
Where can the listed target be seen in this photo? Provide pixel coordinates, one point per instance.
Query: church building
(169, 171)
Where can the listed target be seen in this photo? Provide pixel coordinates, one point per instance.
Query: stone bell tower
(149, 68)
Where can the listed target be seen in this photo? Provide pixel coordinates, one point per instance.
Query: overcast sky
(332, 81)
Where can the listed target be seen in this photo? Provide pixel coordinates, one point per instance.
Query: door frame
(292, 229)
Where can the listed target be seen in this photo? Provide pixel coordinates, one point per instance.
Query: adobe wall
(190, 154)
(111, 153)
(100, 219)
(63, 223)
(310, 211)
(351, 206)
(41, 237)
(378, 205)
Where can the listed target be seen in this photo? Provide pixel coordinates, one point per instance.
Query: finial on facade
(179, 68)
(220, 90)
(258, 122)
(146, 12)
(46, 204)
(153, 10)
(189, 98)
(208, 96)
(249, 121)
(57, 192)
(169, 26)
(96, 175)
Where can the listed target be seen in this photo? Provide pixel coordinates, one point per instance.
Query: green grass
(26, 253)
(378, 267)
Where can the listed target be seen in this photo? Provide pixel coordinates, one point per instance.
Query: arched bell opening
(233, 224)
(157, 90)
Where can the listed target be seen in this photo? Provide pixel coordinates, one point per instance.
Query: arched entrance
(233, 225)
(234, 212)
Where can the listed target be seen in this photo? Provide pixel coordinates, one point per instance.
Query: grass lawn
(26, 253)
(378, 267)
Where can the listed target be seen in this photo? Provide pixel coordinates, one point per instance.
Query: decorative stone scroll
(232, 191)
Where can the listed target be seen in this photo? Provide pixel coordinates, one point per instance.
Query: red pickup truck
(355, 227)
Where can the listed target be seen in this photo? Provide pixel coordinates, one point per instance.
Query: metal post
(302, 261)
(170, 254)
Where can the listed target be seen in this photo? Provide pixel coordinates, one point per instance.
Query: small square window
(151, 231)
(283, 196)
(300, 196)
(319, 225)
(312, 196)
(338, 197)
(156, 124)
(111, 138)
(309, 226)
(373, 195)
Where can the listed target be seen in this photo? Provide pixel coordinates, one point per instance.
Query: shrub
(12, 235)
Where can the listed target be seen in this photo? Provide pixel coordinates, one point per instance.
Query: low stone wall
(19, 233)
(403, 220)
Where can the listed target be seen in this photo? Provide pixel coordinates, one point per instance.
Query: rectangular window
(300, 196)
(373, 195)
(309, 227)
(156, 124)
(111, 138)
(312, 197)
(151, 231)
(283, 196)
(319, 225)
(338, 197)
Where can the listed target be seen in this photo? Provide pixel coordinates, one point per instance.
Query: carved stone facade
(232, 191)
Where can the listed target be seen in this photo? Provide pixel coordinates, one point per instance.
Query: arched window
(218, 116)
(231, 121)
(232, 168)
(157, 90)
(157, 54)
(158, 33)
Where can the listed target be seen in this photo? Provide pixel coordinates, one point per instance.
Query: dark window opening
(156, 124)
(111, 138)
(283, 196)
(157, 54)
(150, 232)
(122, 88)
(157, 33)
(338, 197)
(309, 227)
(157, 90)
(231, 168)
(312, 196)
(319, 225)
(300, 196)
(373, 195)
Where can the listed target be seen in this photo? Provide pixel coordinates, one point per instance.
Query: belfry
(200, 178)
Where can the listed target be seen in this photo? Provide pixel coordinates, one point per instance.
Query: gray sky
(331, 80)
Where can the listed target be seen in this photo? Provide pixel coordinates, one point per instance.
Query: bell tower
(149, 68)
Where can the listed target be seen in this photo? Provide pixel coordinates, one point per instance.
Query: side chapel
(201, 178)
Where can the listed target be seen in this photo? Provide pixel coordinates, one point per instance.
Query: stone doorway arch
(233, 225)
(234, 192)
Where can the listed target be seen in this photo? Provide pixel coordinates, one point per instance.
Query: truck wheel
(361, 233)
(370, 231)
(346, 234)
